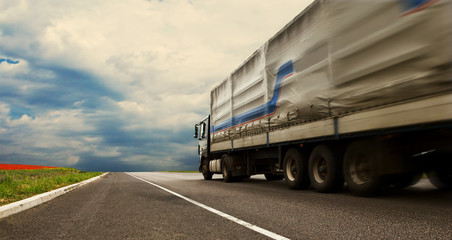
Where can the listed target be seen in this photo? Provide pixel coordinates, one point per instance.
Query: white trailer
(359, 91)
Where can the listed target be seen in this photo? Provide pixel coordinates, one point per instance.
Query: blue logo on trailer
(412, 6)
(262, 111)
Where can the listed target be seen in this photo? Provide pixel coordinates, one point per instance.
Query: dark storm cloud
(113, 134)
(70, 86)
(113, 164)
(8, 91)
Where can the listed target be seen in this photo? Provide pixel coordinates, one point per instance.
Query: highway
(159, 205)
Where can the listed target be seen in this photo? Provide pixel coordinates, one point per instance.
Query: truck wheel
(205, 170)
(441, 173)
(272, 177)
(325, 171)
(360, 168)
(227, 177)
(296, 169)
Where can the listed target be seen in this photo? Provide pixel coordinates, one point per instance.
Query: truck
(355, 92)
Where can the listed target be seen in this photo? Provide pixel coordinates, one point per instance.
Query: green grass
(182, 171)
(16, 185)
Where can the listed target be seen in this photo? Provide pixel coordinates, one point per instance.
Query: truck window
(203, 130)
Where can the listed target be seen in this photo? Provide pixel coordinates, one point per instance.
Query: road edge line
(218, 212)
(22, 205)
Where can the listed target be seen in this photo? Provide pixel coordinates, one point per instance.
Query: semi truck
(355, 92)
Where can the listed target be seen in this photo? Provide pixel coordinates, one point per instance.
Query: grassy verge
(16, 185)
(182, 171)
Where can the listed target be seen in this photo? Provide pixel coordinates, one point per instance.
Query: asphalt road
(123, 207)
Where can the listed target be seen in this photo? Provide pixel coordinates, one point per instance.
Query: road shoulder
(22, 205)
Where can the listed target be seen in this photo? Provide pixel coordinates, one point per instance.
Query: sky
(113, 85)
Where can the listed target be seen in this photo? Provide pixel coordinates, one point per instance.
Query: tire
(205, 170)
(225, 169)
(273, 177)
(441, 173)
(360, 168)
(296, 169)
(325, 171)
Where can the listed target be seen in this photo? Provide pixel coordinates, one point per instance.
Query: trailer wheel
(225, 169)
(441, 173)
(325, 171)
(296, 169)
(360, 166)
(205, 170)
(273, 177)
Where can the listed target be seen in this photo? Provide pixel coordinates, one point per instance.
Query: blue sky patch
(7, 60)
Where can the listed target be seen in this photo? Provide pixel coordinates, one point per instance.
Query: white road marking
(222, 214)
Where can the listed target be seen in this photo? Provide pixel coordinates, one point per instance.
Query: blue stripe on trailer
(262, 111)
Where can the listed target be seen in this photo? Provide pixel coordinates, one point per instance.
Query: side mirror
(196, 131)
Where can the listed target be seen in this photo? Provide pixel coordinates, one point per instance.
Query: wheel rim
(360, 170)
(291, 169)
(320, 170)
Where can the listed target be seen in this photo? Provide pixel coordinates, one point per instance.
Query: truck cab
(202, 134)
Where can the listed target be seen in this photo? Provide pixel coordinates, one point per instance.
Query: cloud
(118, 85)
